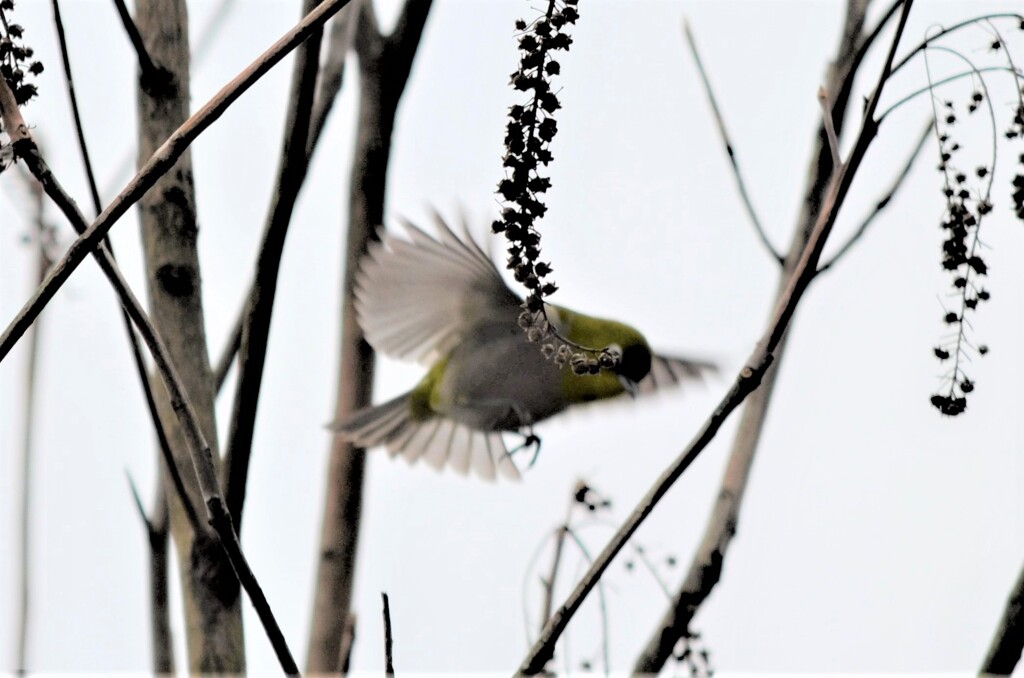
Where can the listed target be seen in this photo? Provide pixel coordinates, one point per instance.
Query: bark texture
(213, 620)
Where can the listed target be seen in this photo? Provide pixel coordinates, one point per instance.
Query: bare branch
(729, 147)
(199, 448)
(924, 44)
(133, 339)
(75, 114)
(156, 166)
(389, 641)
(746, 381)
(706, 565)
(146, 66)
(156, 537)
(882, 202)
(1008, 641)
(384, 69)
(549, 582)
(332, 74)
(227, 356)
(252, 352)
(27, 445)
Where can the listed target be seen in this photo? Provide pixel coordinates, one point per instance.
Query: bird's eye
(636, 362)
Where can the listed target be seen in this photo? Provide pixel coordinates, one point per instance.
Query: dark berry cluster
(1016, 131)
(590, 498)
(16, 63)
(531, 128)
(961, 255)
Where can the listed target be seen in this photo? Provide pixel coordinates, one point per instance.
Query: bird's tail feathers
(438, 441)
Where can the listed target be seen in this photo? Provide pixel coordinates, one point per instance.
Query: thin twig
(156, 166)
(705, 569)
(75, 114)
(259, 307)
(830, 128)
(729, 148)
(27, 445)
(332, 74)
(389, 641)
(952, 29)
(882, 202)
(746, 381)
(146, 66)
(156, 537)
(137, 500)
(227, 356)
(199, 448)
(133, 339)
(549, 582)
(944, 81)
(159, 603)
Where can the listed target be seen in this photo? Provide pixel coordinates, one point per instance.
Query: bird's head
(628, 355)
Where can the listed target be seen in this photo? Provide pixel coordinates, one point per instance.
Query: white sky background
(875, 536)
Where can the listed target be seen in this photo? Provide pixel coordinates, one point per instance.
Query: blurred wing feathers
(666, 372)
(417, 297)
(439, 442)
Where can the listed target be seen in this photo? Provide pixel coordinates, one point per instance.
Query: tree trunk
(167, 213)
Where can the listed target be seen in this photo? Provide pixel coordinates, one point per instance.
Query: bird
(441, 301)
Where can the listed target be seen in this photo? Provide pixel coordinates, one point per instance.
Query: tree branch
(746, 381)
(75, 114)
(147, 68)
(157, 532)
(27, 444)
(389, 641)
(706, 566)
(729, 147)
(1008, 640)
(162, 160)
(259, 306)
(332, 75)
(133, 339)
(882, 202)
(384, 66)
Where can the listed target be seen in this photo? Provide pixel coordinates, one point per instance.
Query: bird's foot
(530, 439)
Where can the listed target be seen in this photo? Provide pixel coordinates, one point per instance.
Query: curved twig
(729, 147)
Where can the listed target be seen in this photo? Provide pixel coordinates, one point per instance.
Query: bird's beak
(628, 385)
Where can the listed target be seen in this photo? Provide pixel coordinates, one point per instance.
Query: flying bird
(441, 301)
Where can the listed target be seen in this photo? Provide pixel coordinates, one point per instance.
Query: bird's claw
(530, 439)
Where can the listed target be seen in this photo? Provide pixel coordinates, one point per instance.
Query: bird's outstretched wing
(666, 372)
(417, 297)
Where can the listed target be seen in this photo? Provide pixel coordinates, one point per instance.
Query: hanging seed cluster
(17, 67)
(16, 63)
(528, 134)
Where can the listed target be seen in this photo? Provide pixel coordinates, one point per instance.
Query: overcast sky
(875, 536)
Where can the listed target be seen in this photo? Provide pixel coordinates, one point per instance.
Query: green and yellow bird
(442, 302)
